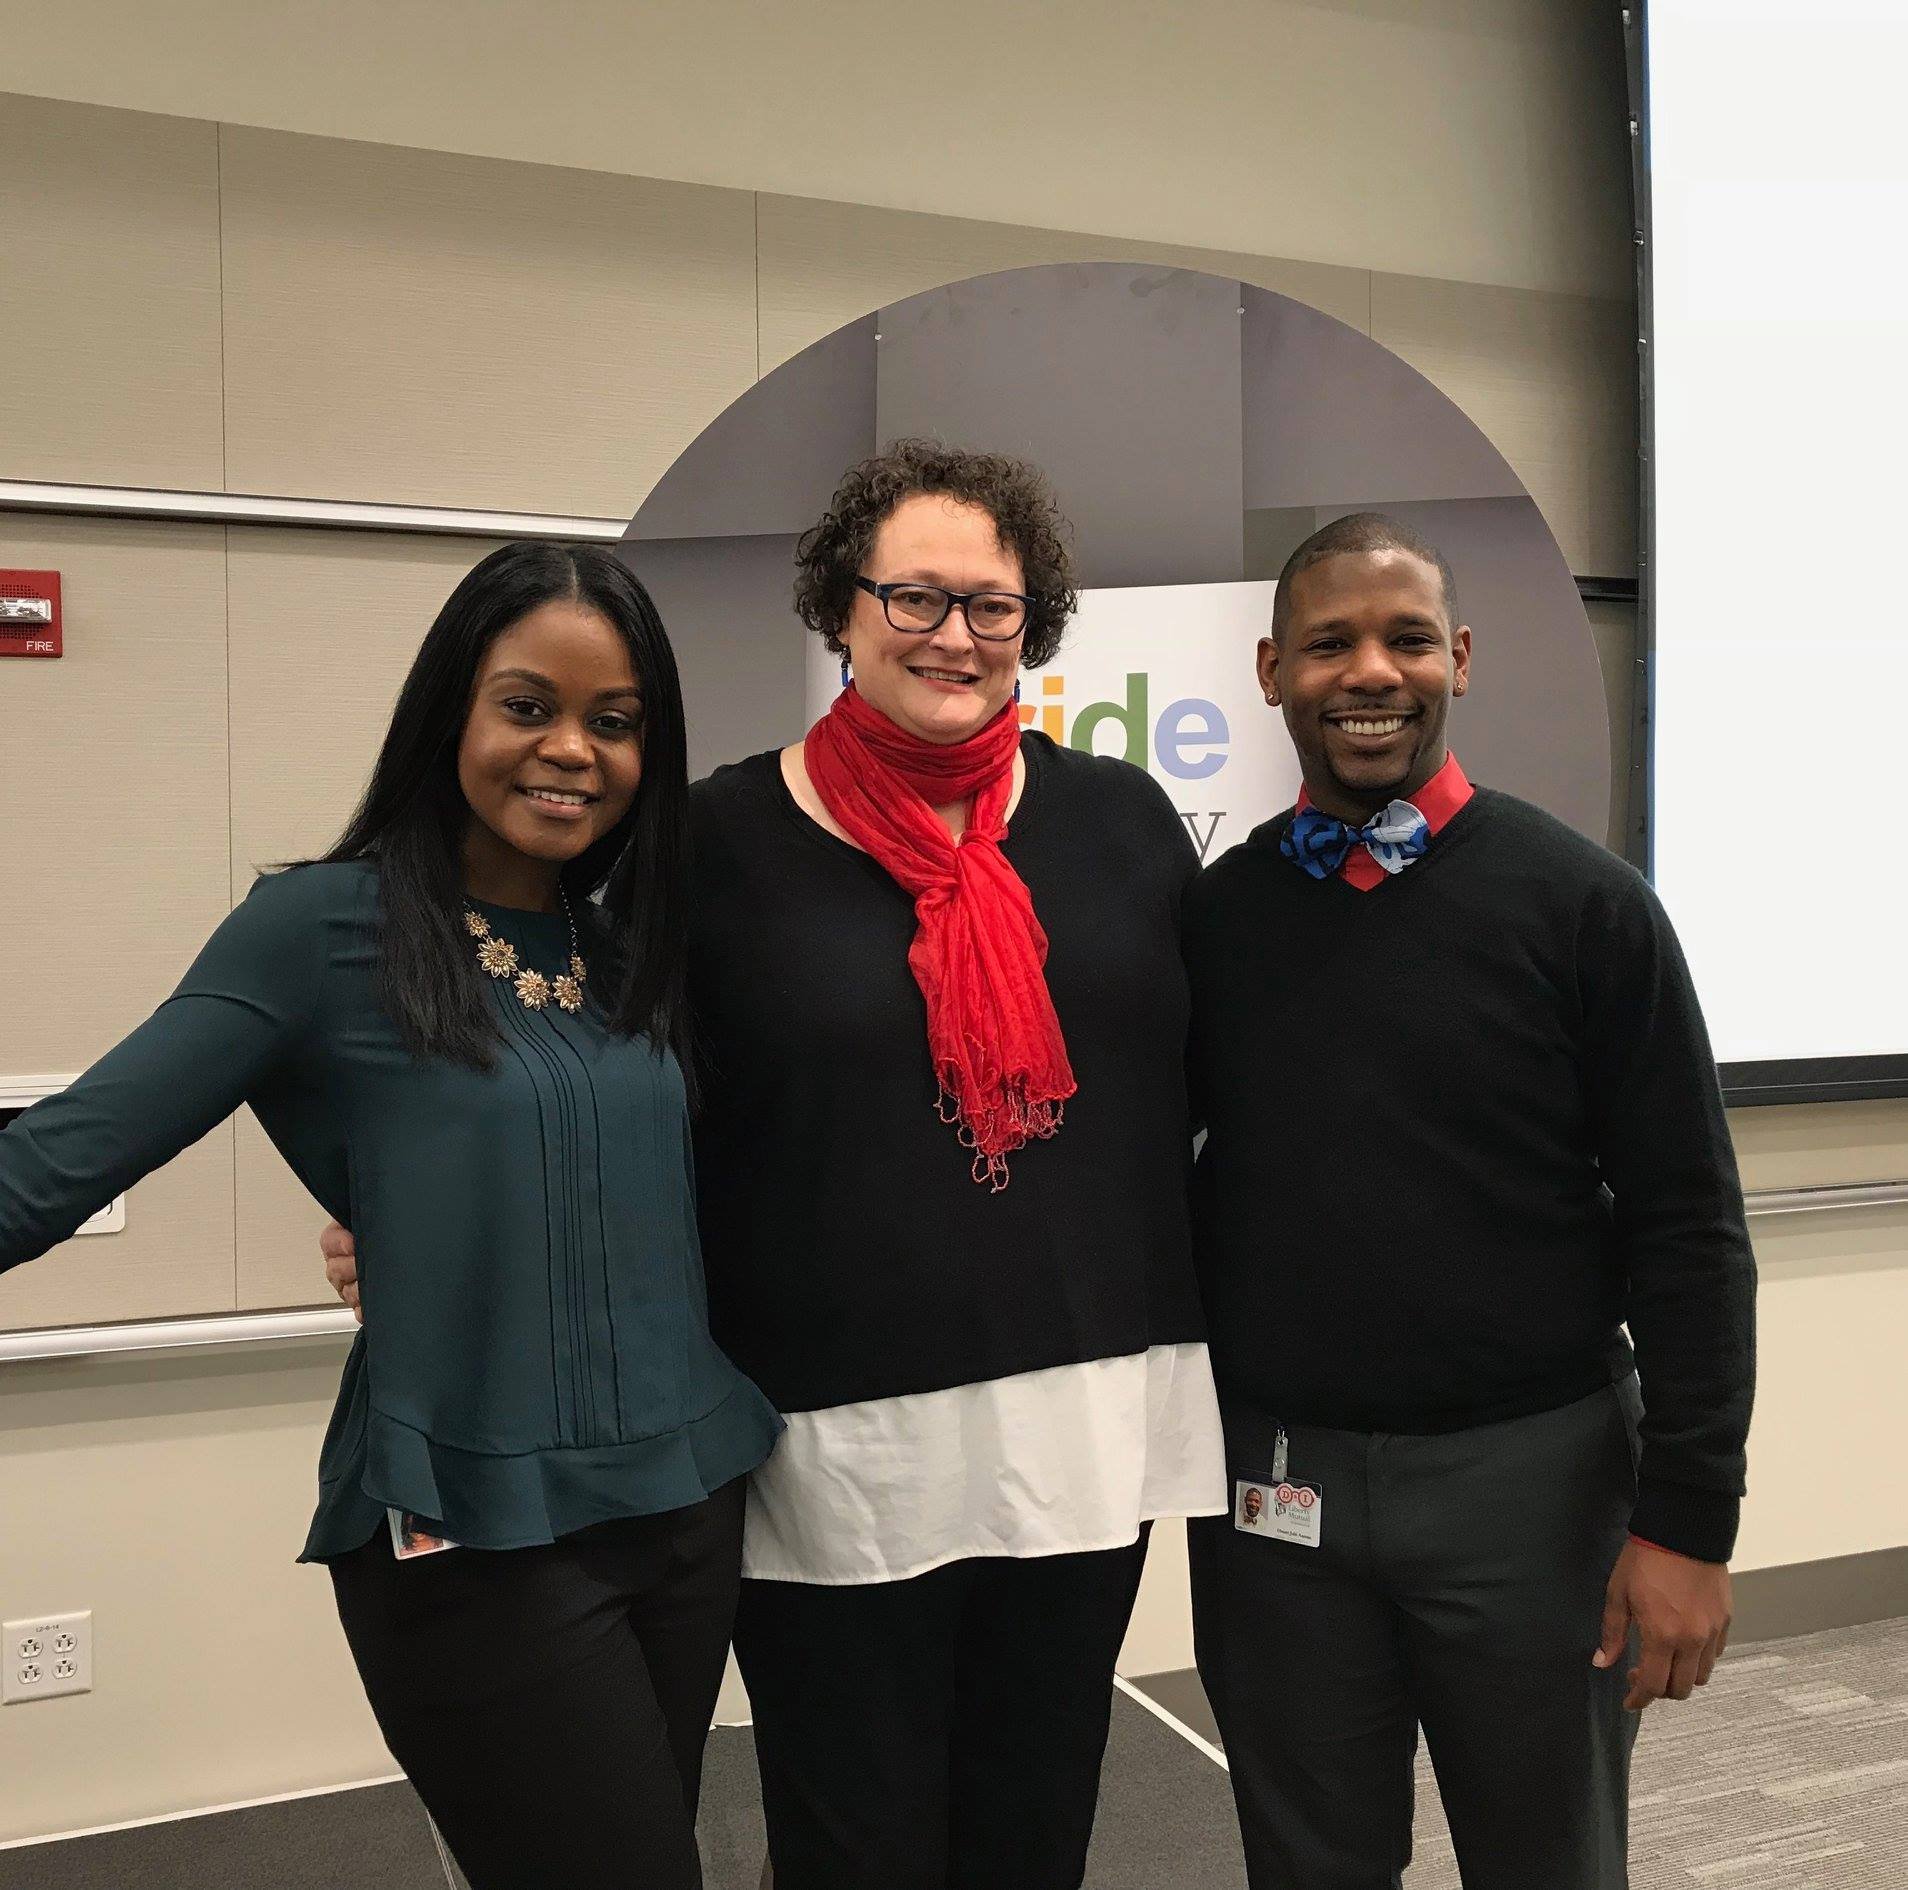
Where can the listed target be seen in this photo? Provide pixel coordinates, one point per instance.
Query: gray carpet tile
(1184, 1698)
(1166, 1819)
(730, 1828)
(1790, 1772)
(376, 1838)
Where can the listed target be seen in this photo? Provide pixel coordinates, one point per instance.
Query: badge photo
(411, 1537)
(1252, 1507)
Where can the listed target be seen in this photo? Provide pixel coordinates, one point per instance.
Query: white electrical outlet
(46, 1655)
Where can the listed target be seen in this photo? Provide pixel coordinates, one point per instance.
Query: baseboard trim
(203, 1811)
(1809, 1597)
(1181, 1701)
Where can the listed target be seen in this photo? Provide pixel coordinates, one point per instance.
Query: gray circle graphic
(1195, 430)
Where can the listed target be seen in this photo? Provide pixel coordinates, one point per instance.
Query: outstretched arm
(240, 1009)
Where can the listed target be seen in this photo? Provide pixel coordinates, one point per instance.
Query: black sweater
(850, 1253)
(1461, 1128)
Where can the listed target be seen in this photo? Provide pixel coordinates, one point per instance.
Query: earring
(844, 669)
(1016, 688)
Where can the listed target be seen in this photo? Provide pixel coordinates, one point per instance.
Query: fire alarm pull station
(29, 613)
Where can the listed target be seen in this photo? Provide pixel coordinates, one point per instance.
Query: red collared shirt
(1437, 801)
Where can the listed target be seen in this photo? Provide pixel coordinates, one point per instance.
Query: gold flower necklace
(498, 957)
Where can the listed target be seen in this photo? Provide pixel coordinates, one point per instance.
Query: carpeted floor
(1789, 1773)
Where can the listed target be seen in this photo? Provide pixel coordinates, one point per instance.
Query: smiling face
(947, 684)
(1365, 672)
(551, 753)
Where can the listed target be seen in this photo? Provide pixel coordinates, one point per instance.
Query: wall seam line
(218, 191)
(231, 810)
(231, 878)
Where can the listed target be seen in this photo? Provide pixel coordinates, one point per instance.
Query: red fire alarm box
(29, 613)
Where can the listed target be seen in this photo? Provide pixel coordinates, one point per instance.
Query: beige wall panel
(1478, 139)
(825, 264)
(1551, 379)
(115, 868)
(408, 326)
(169, 1495)
(1831, 1398)
(1821, 1145)
(1576, 103)
(1159, 1635)
(1833, 1309)
(109, 297)
(324, 627)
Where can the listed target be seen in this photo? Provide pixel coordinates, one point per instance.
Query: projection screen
(1772, 190)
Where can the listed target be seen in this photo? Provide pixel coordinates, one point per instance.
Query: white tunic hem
(1065, 1461)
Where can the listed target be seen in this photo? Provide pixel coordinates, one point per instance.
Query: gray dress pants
(1457, 1585)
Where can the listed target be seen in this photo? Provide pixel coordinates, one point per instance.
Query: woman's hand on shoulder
(341, 1265)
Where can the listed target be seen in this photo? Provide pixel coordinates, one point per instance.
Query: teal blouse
(535, 1355)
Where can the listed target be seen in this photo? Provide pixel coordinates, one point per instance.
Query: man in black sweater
(1463, 1127)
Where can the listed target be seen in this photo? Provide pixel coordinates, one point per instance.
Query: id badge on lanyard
(1282, 1507)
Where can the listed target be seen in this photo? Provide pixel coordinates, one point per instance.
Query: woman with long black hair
(530, 1495)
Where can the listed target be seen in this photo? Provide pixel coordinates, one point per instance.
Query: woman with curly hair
(943, 1154)
(935, 963)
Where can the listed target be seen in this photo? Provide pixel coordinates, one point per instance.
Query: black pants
(1458, 1585)
(941, 1733)
(551, 1704)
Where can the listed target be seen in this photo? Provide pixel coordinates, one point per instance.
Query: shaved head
(1361, 532)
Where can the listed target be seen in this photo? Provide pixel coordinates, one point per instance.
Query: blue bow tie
(1394, 836)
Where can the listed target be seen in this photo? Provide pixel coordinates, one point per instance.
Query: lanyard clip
(1279, 1455)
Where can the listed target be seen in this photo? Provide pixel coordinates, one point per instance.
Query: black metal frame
(1791, 1079)
(883, 592)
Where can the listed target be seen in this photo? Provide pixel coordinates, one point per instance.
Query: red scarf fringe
(979, 953)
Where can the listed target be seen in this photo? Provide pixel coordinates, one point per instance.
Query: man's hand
(1681, 1611)
(341, 1265)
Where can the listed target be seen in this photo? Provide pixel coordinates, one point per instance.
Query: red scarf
(979, 951)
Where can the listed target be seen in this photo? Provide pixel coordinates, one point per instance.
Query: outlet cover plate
(46, 1655)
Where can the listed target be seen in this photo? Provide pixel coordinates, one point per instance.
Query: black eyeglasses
(993, 616)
